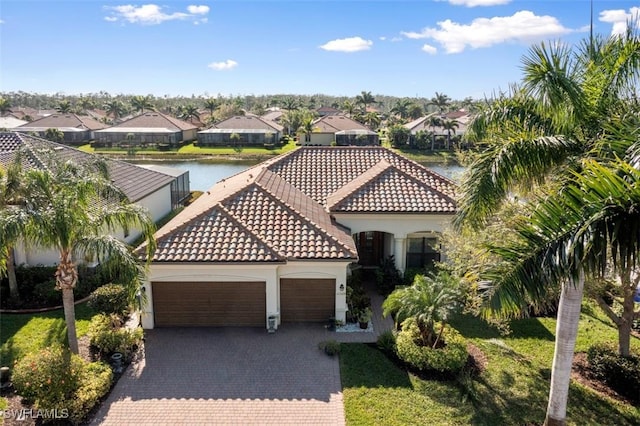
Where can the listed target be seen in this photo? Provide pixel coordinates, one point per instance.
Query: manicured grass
(512, 390)
(24, 333)
(196, 151)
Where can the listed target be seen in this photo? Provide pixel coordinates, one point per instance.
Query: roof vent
(58, 148)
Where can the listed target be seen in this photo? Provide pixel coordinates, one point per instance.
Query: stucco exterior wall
(270, 273)
(324, 139)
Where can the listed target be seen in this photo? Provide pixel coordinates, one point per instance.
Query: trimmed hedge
(110, 299)
(61, 383)
(108, 336)
(622, 374)
(450, 358)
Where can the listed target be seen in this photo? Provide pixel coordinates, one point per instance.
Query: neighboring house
(327, 110)
(339, 129)
(180, 187)
(277, 240)
(77, 129)
(148, 188)
(149, 128)
(422, 124)
(250, 130)
(10, 122)
(273, 116)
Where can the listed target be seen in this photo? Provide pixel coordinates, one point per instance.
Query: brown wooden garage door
(209, 304)
(303, 300)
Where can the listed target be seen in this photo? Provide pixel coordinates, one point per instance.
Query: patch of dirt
(582, 374)
(477, 361)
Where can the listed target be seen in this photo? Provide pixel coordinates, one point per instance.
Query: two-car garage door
(209, 304)
(212, 304)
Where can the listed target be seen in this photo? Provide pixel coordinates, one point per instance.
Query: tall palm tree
(415, 111)
(365, 99)
(75, 209)
(115, 108)
(441, 102)
(211, 105)
(85, 104)
(450, 126)
(289, 103)
(372, 119)
(349, 108)
(434, 121)
(307, 127)
(140, 103)
(401, 108)
(544, 132)
(189, 112)
(11, 196)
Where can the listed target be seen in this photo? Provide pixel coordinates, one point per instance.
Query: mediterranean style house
(276, 242)
(158, 191)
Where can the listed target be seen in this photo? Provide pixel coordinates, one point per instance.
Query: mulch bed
(581, 374)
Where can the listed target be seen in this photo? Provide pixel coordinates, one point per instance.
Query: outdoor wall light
(341, 287)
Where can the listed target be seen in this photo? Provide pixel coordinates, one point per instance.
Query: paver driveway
(229, 376)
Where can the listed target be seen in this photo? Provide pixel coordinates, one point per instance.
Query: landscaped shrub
(46, 294)
(330, 347)
(108, 336)
(387, 342)
(60, 383)
(388, 276)
(449, 358)
(357, 298)
(95, 381)
(622, 374)
(110, 299)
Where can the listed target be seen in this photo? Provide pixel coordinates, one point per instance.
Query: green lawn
(511, 391)
(196, 150)
(24, 333)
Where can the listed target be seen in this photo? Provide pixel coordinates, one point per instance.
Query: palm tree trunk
(566, 333)
(70, 318)
(14, 293)
(624, 326)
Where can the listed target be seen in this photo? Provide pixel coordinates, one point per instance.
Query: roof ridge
(359, 182)
(432, 188)
(304, 218)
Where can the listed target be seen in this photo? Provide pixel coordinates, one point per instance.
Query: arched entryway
(373, 247)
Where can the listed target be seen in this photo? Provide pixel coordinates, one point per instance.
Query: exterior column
(273, 296)
(146, 315)
(341, 296)
(400, 253)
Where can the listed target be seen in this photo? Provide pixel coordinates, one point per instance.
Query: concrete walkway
(235, 376)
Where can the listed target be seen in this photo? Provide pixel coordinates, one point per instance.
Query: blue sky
(236, 47)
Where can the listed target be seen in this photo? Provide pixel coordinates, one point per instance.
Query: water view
(204, 174)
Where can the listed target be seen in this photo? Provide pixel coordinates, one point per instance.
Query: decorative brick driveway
(214, 376)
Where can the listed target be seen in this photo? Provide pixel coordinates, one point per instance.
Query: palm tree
(212, 105)
(116, 108)
(64, 107)
(307, 127)
(441, 101)
(401, 108)
(75, 209)
(85, 104)
(289, 103)
(189, 112)
(11, 196)
(415, 111)
(544, 132)
(139, 103)
(349, 108)
(372, 119)
(365, 99)
(434, 121)
(450, 126)
(430, 300)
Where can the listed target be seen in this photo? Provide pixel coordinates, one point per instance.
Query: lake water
(203, 175)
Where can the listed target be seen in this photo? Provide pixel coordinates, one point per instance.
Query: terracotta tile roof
(241, 122)
(67, 120)
(136, 182)
(320, 172)
(267, 212)
(152, 119)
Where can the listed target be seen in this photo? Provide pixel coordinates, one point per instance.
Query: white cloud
(523, 26)
(474, 3)
(1, 21)
(350, 44)
(429, 49)
(619, 18)
(383, 38)
(223, 66)
(198, 10)
(152, 14)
